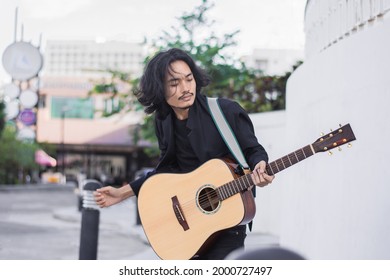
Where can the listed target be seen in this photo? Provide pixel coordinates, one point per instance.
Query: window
(76, 108)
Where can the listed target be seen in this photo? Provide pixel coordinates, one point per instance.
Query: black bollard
(89, 222)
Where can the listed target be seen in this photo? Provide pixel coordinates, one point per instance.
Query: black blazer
(205, 138)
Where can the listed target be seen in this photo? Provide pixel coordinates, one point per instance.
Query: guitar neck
(245, 182)
(289, 160)
(336, 138)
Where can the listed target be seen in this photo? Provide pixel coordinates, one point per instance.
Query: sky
(262, 23)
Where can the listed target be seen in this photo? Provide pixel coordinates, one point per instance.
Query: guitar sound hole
(208, 200)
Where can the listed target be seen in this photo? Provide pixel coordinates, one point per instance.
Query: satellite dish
(28, 98)
(11, 90)
(22, 61)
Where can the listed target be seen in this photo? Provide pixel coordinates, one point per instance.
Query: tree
(230, 77)
(17, 157)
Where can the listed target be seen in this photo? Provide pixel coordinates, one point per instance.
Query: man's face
(180, 87)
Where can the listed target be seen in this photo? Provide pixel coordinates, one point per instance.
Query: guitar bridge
(179, 213)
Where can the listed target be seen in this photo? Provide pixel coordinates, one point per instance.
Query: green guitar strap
(228, 136)
(226, 132)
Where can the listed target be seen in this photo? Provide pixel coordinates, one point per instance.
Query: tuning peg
(340, 149)
(349, 145)
(340, 125)
(322, 134)
(330, 153)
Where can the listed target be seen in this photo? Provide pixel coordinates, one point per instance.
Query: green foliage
(147, 132)
(230, 77)
(117, 88)
(17, 157)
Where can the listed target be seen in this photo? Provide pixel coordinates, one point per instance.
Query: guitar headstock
(334, 139)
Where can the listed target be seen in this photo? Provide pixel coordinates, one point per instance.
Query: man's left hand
(259, 176)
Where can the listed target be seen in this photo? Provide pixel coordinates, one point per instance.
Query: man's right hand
(108, 196)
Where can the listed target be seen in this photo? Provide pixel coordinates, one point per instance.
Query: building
(68, 116)
(273, 62)
(91, 59)
(334, 207)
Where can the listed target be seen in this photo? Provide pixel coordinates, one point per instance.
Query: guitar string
(209, 201)
(206, 201)
(203, 198)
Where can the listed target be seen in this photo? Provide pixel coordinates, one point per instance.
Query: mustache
(186, 94)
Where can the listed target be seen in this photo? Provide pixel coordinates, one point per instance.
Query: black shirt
(185, 155)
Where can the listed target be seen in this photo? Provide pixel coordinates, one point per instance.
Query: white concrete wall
(329, 21)
(334, 207)
(270, 130)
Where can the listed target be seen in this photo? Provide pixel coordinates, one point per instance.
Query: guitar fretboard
(245, 182)
(289, 160)
(233, 187)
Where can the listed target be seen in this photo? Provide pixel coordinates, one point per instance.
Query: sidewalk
(121, 218)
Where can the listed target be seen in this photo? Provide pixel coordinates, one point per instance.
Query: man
(187, 136)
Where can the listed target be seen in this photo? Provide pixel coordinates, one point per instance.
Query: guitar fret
(287, 161)
(296, 156)
(270, 167)
(224, 191)
(300, 154)
(283, 163)
(239, 185)
(249, 183)
(227, 190)
(304, 153)
(237, 188)
(246, 181)
(276, 166)
(230, 189)
(309, 151)
(218, 190)
(278, 161)
(288, 157)
(233, 187)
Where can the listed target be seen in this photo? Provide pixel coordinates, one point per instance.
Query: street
(43, 223)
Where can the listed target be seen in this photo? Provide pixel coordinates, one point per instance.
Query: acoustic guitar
(182, 213)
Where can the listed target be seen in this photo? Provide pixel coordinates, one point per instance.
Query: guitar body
(180, 213)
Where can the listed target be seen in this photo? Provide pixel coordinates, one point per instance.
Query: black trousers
(226, 242)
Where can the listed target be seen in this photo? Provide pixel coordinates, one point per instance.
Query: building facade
(91, 59)
(75, 121)
(273, 62)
